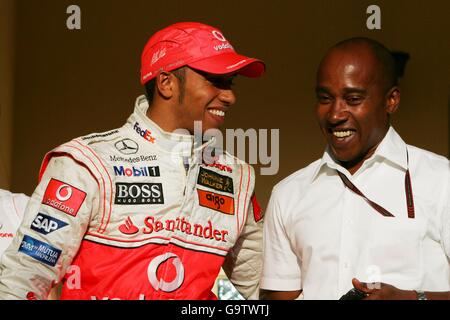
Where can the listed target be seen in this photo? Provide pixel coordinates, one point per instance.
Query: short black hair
(381, 53)
(150, 86)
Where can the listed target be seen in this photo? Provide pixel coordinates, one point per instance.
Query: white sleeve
(281, 270)
(20, 202)
(244, 262)
(51, 231)
(445, 221)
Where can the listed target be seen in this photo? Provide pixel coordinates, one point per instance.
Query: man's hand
(383, 291)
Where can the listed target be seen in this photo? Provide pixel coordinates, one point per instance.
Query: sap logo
(146, 134)
(45, 224)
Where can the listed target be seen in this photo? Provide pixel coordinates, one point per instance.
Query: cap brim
(230, 62)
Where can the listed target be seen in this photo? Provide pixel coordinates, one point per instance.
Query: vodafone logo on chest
(64, 197)
(161, 284)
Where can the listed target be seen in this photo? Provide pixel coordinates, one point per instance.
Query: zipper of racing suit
(187, 166)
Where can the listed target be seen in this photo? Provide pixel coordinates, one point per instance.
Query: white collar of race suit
(170, 142)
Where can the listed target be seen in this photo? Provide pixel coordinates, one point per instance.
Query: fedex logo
(144, 133)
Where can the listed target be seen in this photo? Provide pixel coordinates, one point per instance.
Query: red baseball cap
(198, 46)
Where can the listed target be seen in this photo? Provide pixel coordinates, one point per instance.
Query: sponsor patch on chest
(213, 180)
(216, 201)
(139, 193)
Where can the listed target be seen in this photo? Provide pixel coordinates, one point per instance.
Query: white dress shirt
(12, 206)
(318, 234)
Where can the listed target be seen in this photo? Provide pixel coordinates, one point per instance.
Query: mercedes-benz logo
(127, 146)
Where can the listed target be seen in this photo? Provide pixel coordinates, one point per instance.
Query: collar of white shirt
(392, 149)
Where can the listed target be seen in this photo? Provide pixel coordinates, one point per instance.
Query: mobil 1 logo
(139, 193)
(137, 171)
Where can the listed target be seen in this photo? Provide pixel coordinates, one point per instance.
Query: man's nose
(227, 97)
(338, 112)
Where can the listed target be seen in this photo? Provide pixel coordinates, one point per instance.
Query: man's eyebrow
(354, 90)
(320, 89)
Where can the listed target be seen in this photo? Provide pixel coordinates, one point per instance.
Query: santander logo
(128, 227)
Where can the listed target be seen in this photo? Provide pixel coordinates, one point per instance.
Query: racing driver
(137, 212)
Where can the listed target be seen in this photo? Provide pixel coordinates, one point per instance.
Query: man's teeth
(216, 112)
(342, 134)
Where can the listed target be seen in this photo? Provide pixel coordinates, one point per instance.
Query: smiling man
(136, 212)
(373, 215)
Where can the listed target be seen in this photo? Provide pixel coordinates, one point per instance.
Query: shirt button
(346, 265)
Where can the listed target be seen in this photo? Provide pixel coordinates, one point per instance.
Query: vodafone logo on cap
(224, 45)
(218, 35)
(64, 197)
(161, 284)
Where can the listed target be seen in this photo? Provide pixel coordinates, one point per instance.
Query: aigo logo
(161, 284)
(216, 201)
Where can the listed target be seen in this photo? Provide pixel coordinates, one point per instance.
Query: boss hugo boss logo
(45, 224)
(127, 146)
(216, 201)
(139, 193)
(211, 179)
(137, 171)
(64, 197)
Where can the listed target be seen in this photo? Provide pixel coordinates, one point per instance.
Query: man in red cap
(136, 212)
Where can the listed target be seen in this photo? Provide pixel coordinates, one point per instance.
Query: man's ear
(166, 84)
(393, 100)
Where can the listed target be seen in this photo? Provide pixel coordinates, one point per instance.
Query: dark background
(56, 84)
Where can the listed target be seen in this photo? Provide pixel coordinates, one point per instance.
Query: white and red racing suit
(134, 213)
